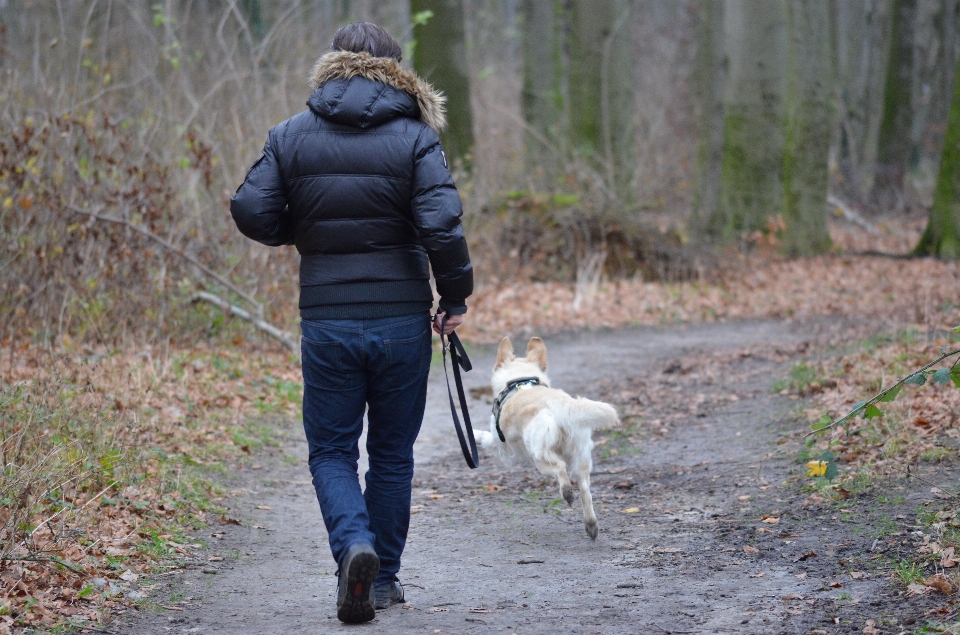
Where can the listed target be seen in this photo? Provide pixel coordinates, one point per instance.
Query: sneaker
(386, 595)
(358, 570)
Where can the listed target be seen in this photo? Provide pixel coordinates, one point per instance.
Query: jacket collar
(385, 70)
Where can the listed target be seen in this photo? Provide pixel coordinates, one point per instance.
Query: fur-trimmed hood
(344, 65)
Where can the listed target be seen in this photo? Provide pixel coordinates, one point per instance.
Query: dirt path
(702, 469)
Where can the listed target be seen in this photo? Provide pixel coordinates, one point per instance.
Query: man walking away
(359, 183)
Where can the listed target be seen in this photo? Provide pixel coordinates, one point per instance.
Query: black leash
(459, 359)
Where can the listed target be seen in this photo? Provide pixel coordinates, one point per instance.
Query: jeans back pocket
(407, 358)
(322, 363)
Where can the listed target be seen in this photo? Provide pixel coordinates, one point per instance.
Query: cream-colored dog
(545, 424)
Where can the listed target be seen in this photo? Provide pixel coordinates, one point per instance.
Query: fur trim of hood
(386, 70)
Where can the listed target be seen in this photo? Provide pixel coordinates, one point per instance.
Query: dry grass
(106, 461)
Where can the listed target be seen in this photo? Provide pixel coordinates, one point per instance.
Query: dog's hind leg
(554, 465)
(540, 437)
(582, 465)
(589, 517)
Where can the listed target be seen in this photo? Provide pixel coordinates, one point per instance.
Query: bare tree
(708, 85)
(440, 55)
(893, 150)
(755, 33)
(808, 130)
(601, 88)
(942, 236)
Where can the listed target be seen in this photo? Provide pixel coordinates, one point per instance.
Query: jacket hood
(361, 90)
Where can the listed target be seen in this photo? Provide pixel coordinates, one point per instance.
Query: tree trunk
(893, 150)
(601, 88)
(543, 97)
(440, 56)
(750, 187)
(942, 237)
(808, 128)
(861, 30)
(709, 75)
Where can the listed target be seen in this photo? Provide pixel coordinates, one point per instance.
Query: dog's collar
(513, 386)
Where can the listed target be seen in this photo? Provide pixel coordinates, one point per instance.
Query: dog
(544, 424)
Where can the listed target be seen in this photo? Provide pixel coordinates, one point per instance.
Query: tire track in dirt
(678, 564)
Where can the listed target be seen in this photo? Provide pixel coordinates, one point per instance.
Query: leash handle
(459, 359)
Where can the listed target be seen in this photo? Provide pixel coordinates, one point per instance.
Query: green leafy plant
(870, 409)
(909, 571)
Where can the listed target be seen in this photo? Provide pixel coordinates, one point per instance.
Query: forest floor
(708, 521)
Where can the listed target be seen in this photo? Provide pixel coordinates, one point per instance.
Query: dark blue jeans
(380, 365)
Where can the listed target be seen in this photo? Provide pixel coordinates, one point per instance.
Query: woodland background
(620, 161)
(614, 139)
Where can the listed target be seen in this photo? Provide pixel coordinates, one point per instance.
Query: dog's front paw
(567, 491)
(592, 529)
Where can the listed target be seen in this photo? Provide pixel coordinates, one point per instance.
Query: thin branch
(258, 322)
(54, 559)
(923, 480)
(157, 239)
(863, 406)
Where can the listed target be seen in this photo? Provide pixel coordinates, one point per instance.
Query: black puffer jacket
(359, 183)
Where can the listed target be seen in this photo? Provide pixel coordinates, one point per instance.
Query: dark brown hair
(365, 37)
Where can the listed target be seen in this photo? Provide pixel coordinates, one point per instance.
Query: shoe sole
(357, 605)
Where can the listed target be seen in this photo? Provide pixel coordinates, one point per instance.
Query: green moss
(942, 236)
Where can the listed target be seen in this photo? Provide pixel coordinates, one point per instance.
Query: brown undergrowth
(917, 291)
(922, 424)
(107, 461)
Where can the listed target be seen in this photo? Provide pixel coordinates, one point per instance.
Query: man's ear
(504, 353)
(537, 353)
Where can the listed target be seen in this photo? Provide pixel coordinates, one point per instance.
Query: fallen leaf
(915, 588)
(743, 498)
(630, 510)
(940, 583)
(435, 496)
(267, 507)
(806, 557)
(490, 487)
(857, 575)
(530, 560)
(836, 585)
(870, 627)
(667, 550)
(215, 559)
(790, 597)
(477, 610)
(623, 485)
(947, 558)
(749, 549)
(437, 609)
(770, 520)
(226, 520)
(758, 575)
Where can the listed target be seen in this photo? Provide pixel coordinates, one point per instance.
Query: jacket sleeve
(259, 207)
(436, 210)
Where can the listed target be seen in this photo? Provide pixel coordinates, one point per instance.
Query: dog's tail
(584, 413)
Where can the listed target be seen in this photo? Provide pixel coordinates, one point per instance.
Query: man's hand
(453, 321)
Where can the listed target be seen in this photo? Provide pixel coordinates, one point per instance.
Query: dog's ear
(537, 353)
(504, 353)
